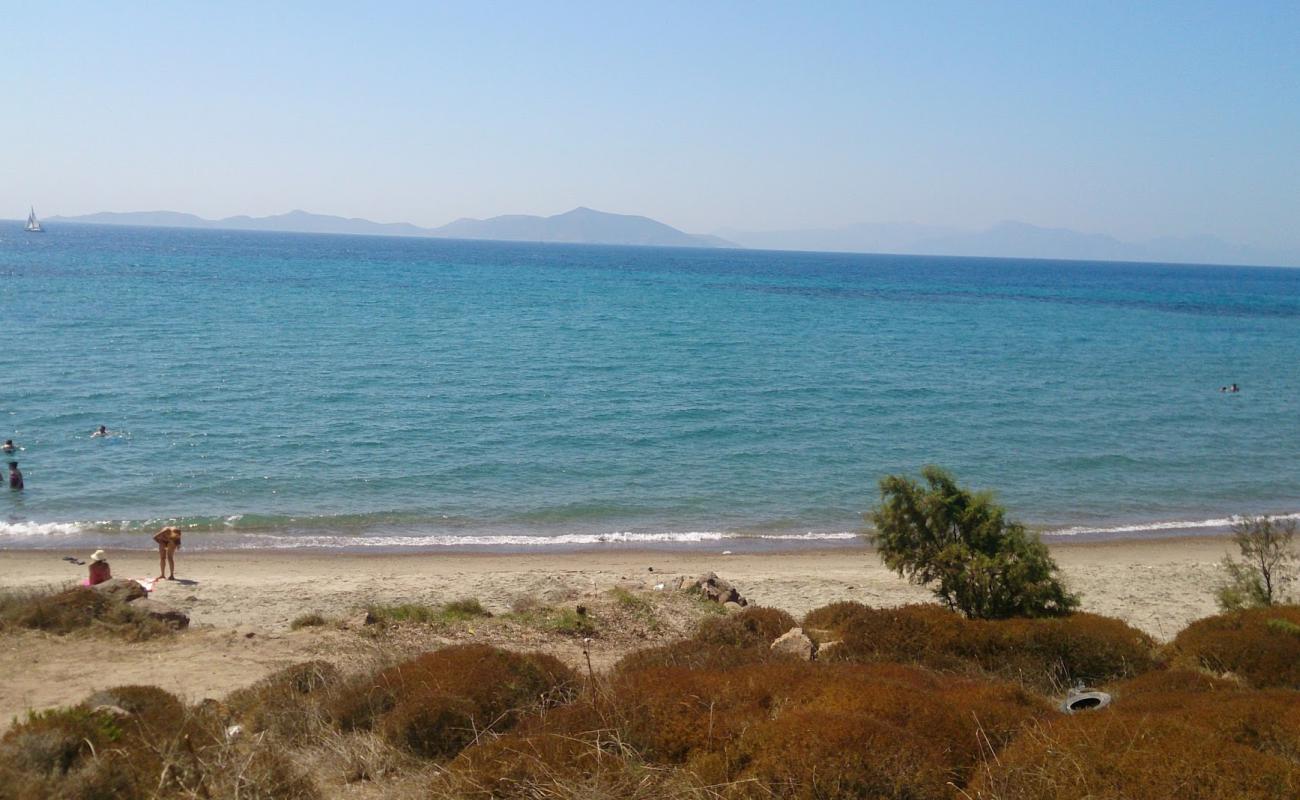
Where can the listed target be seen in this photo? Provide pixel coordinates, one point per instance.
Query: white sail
(33, 224)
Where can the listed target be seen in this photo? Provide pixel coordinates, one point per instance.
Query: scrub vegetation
(916, 702)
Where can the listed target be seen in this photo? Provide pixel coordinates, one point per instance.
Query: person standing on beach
(15, 476)
(169, 541)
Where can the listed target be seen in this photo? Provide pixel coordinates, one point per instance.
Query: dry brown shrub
(572, 752)
(1103, 755)
(148, 705)
(1061, 651)
(289, 703)
(788, 727)
(693, 654)
(546, 765)
(1047, 653)
(55, 754)
(921, 633)
(440, 701)
(883, 730)
(1172, 681)
(671, 713)
(835, 616)
(1260, 645)
(754, 626)
(357, 701)
(156, 749)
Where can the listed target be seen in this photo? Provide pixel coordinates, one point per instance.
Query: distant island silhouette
(587, 226)
(579, 226)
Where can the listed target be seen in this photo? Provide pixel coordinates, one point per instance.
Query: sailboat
(33, 224)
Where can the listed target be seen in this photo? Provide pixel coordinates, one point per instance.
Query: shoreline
(1158, 585)
(205, 541)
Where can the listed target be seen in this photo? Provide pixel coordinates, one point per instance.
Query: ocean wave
(40, 528)
(1170, 525)
(516, 540)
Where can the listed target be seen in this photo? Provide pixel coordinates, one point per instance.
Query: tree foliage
(1267, 566)
(962, 545)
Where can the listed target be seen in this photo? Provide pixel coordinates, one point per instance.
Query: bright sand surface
(1158, 586)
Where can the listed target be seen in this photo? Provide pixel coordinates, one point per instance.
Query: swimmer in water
(9, 446)
(15, 476)
(102, 432)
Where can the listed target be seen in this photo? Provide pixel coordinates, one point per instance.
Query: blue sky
(1136, 120)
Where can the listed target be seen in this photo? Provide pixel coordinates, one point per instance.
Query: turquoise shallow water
(277, 390)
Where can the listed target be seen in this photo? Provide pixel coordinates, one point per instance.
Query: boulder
(732, 608)
(162, 612)
(795, 643)
(711, 587)
(122, 590)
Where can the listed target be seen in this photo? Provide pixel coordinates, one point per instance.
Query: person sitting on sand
(102, 432)
(15, 476)
(99, 569)
(169, 541)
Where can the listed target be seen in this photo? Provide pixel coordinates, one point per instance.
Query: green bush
(1267, 566)
(963, 546)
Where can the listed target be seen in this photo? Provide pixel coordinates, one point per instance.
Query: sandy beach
(241, 604)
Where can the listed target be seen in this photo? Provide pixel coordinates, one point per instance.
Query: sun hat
(98, 555)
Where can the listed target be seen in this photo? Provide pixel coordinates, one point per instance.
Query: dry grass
(76, 609)
(309, 620)
(148, 746)
(452, 613)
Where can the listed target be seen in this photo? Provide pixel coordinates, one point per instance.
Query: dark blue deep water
(276, 390)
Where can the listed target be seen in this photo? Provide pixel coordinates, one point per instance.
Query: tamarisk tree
(964, 548)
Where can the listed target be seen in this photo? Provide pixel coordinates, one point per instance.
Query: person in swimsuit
(15, 476)
(103, 431)
(9, 446)
(169, 541)
(99, 569)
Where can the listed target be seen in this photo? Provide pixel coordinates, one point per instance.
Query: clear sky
(1132, 119)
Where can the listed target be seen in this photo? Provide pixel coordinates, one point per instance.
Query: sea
(277, 390)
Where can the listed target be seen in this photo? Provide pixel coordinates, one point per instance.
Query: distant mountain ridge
(1011, 240)
(579, 226)
(587, 226)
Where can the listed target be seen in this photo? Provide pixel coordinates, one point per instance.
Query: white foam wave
(571, 539)
(39, 528)
(1172, 525)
